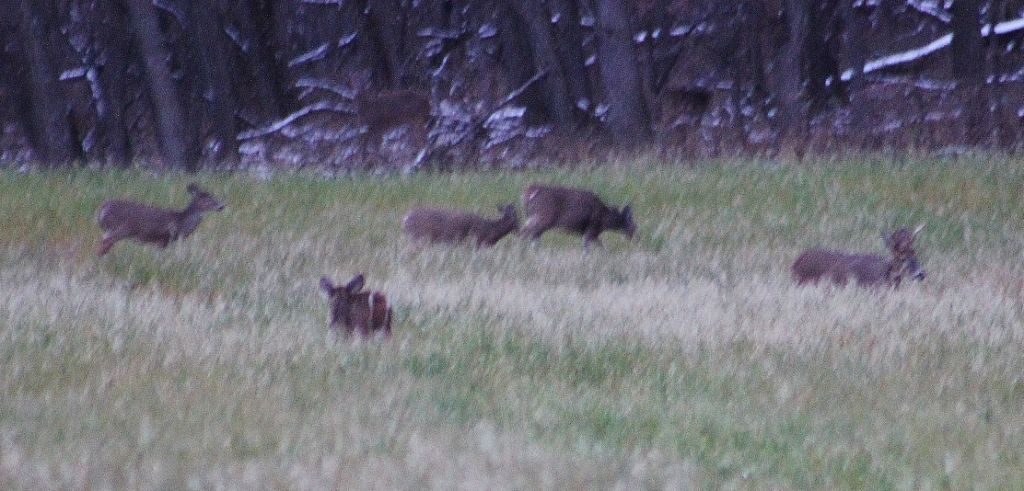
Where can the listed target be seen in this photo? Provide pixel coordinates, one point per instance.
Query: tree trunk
(255, 23)
(787, 80)
(113, 74)
(558, 101)
(569, 45)
(210, 47)
(517, 62)
(52, 134)
(967, 51)
(996, 102)
(857, 24)
(387, 20)
(627, 117)
(175, 147)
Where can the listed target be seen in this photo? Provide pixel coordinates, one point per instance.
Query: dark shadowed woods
(398, 84)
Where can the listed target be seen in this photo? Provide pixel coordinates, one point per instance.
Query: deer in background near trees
(123, 219)
(436, 225)
(381, 111)
(353, 310)
(575, 210)
(866, 269)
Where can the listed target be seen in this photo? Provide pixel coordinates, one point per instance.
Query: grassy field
(684, 359)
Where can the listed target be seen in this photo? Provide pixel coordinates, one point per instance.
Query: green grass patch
(686, 358)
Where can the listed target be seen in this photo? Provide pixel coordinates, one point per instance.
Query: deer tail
(380, 314)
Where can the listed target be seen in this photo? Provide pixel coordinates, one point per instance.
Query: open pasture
(687, 358)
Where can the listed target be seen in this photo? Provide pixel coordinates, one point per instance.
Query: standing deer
(379, 112)
(575, 210)
(353, 310)
(865, 269)
(122, 219)
(436, 225)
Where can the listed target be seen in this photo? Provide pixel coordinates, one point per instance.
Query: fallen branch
(281, 123)
(943, 41)
(522, 88)
(930, 9)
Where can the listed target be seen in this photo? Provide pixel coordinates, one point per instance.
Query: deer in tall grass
(123, 219)
(353, 310)
(574, 210)
(866, 269)
(434, 225)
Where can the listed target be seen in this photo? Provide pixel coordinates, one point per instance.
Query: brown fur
(122, 219)
(867, 270)
(353, 310)
(574, 210)
(382, 111)
(436, 225)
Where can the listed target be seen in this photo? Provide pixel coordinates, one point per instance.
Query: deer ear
(356, 284)
(627, 211)
(326, 285)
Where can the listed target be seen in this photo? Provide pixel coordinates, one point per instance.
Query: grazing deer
(383, 111)
(865, 269)
(122, 219)
(574, 210)
(353, 310)
(436, 225)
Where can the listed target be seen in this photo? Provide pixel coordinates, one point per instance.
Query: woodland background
(231, 83)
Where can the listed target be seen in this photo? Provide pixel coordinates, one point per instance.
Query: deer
(575, 210)
(866, 269)
(123, 219)
(379, 112)
(356, 311)
(435, 225)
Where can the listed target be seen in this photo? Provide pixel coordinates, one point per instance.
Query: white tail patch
(102, 213)
(531, 195)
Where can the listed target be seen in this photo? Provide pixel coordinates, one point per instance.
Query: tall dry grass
(685, 359)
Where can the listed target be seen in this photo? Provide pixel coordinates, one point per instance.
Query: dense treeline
(184, 83)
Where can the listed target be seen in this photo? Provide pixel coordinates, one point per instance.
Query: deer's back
(566, 206)
(390, 108)
(133, 216)
(439, 225)
(839, 267)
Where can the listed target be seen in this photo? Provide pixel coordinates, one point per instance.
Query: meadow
(685, 359)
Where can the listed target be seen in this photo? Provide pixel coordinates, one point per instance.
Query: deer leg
(387, 323)
(591, 237)
(109, 239)
(380, 313)
(105, 246)
(534, 228)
